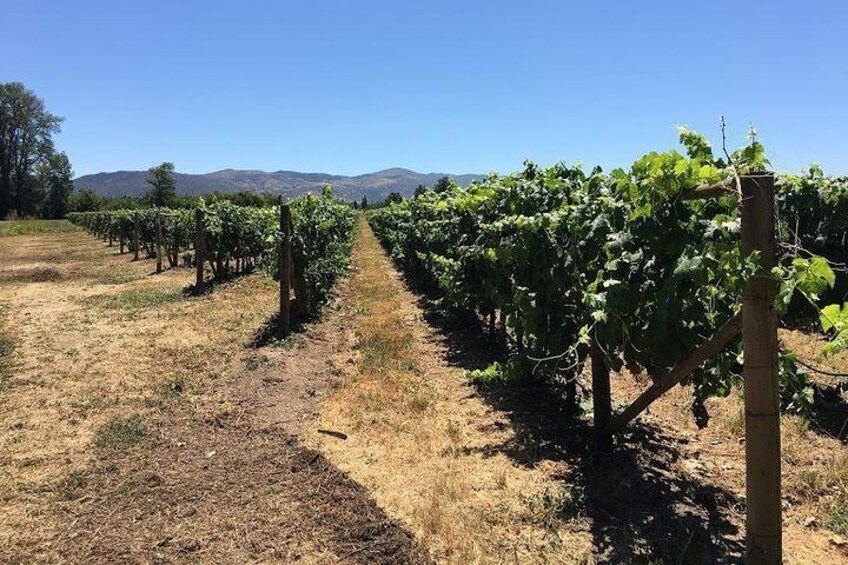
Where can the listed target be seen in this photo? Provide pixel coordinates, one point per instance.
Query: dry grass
(6, 347)
(420, 439)
(103, 340)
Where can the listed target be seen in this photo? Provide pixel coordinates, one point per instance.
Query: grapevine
(240, 238)
(560, 254)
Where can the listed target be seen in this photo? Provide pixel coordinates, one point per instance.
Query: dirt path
(428, 445)
(226, 480)
(140, 425)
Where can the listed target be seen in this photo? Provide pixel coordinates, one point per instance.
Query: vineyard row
(232, 239)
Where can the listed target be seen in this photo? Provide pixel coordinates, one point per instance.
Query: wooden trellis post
(175, 261)
(158, 242)
(136, 235)
(284, 262)
(601, 397)
(760, 370)
(758, 324)
(198, 247)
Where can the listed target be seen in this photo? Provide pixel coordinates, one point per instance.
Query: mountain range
(374, 186)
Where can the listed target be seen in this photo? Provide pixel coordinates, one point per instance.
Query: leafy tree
(55, 175)
(26, 140)
(443, 184)
(240, 198)
(119, 203)
(163, 191)
(85, 200)
(364, 203)
(394, 197)
(420, 189)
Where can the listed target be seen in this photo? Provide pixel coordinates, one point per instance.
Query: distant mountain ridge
(374, 186)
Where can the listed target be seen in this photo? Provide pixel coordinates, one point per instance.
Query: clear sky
(354, 86)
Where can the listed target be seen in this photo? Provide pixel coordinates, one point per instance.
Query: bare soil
(142, 425)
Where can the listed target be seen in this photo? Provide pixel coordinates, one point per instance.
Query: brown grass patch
(88, 357)
(31, 275)
(6, 347)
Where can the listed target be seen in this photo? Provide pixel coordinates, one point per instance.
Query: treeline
(35, 178)
(86, 200)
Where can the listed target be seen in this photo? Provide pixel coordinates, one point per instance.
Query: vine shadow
(210, 283)
(830, 412)
(266, 334)
(637, 501)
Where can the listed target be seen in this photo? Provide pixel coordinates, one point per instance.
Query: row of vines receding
(553, 256)
(236, 239)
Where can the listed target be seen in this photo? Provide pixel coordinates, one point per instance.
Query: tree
(55, 175)
(119, 203)
(85, 200)
(26, 140)
(420, 189)
(163, 191)
(394, 197)
(443, 184)
(364, 203)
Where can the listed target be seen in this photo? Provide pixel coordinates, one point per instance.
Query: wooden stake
(198, 247)
(712, 346)
(175, 261)
(601, 397)
(284, 270)
(760, 369)
(136, 236)
(158, 242)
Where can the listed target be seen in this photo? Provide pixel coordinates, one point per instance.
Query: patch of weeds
(6, 348)
(418, 402)
(33, 275)
(121, 433)
(515, 369)
(293, 341)
(255, 360)
(116, 278)
(30, 227)
(170, 391)
(555, 505)
(386, 347)
(137, 299)
(815, 482)
(837, 515)
(454, 431)
(71, 487)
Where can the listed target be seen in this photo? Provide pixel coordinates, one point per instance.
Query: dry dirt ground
(141, 425)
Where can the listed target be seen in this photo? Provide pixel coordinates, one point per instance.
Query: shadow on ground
(830, 413)
(268, 333)
(642, 503)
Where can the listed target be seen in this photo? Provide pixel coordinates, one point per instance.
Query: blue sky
(350, 87)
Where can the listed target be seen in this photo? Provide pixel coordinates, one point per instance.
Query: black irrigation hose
(821, 371)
